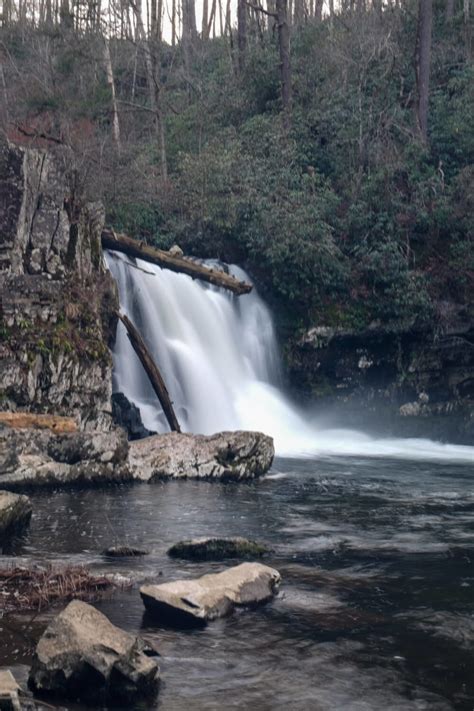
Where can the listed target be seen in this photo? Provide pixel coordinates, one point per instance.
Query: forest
(327, 148)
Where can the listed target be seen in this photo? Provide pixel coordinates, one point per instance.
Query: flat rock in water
(124, 552)
(225, 455)
(217, 549)
(82, 656)
(15, 513)
(196, 602)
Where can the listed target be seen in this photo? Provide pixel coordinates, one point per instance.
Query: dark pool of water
(376, 609)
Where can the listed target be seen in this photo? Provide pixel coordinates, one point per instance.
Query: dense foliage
(346, 218)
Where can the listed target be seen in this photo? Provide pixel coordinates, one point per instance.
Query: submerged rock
(15, 513)
(217, 549)
(197, 602)
(225, 455)
(123, 552)
(83, 656)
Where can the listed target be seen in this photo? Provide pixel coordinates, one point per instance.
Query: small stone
(15, 513)
(196, 602)
(217, 549)
(123, 552)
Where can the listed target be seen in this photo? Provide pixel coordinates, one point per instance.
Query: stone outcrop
(83, 656)
(199, 601)
(34, 458)
(31, 458)
(225, 455)
(217, 549)
(15, 514)
(409, 382)
(56, 299)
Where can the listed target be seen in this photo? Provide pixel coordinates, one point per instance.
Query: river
(376, 608)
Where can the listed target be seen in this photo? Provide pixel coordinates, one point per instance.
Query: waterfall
(219, 358)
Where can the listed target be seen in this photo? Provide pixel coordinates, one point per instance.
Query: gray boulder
(217, 549)
(82, 656)
(34, 458)
(15, 513)
(225, 455)
(124, 552)
(196, 602)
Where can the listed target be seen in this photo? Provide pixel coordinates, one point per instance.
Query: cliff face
(411, 383)
(56, 298)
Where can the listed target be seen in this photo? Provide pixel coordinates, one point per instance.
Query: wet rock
(197, 602)
(124, 552)
(9, 692)
(15, 513)
(225, 455)
(35, 458)
(127, 415)
(217, 549)
(82, 656)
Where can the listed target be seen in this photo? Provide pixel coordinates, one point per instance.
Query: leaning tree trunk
(423, 63)
(152, 371)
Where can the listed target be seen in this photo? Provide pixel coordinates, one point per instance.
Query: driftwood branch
(152, 371)
(133, 248)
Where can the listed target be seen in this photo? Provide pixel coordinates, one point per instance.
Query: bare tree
(423, 64)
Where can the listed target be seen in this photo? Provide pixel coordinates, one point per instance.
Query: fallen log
(152, 371)
(30, 420)
(133, 248)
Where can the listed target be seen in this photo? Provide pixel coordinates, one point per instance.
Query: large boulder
(15, 514)
(197, 602)
(225, 455)
(37, 458)
(217, 549)
(83, 656)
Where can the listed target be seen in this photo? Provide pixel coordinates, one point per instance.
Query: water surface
(376, 609)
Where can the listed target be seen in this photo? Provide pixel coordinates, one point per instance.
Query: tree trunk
(111, 83)
(423, 63)
(205, 15)
(139, 250)
(241, 32)
(285, 62)
(151, 369)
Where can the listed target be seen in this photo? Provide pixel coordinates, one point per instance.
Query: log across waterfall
(138, 250)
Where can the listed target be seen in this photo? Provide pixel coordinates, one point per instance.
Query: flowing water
(219, 358)
(374, 538)
(376, 608)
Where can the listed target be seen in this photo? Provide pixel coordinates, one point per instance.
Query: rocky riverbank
(409, 382)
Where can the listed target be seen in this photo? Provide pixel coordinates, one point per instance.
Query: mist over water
(219, 358)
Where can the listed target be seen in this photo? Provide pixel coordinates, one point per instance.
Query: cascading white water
(219, 358)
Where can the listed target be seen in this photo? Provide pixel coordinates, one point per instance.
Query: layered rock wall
(56, 299)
